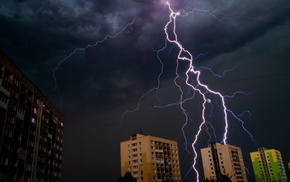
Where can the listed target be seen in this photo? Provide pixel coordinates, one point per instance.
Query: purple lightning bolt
(193, 82)
(202, 89)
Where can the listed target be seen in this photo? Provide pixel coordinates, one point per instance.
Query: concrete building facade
(223, 159)
(150, 159)
(268, 165)
(31, 129)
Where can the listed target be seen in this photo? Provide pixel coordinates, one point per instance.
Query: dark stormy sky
(95, 86)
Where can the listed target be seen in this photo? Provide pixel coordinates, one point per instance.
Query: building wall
(150, 159)
(31, 129)
(268, 165)
(219, 159)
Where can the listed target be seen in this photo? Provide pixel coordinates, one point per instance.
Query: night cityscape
(144, 91)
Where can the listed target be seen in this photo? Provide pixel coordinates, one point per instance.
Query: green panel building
(268, 165)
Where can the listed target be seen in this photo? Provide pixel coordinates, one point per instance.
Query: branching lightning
(193, 82)
(127, 28)
(202, 89)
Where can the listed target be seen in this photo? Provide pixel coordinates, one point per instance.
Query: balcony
(159, 150)
(160, 160)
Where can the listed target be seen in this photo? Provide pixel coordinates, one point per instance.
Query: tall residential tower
(268, 165)
(31, 130)
(223, 159)
(150, 159)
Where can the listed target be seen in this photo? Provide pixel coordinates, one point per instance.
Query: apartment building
(223, 159)
(31, 129)
(150, 159)
(268, 165)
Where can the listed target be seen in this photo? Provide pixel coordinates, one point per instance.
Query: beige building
(150, 159)
(219, 159)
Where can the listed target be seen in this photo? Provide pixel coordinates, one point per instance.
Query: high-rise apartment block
(223, 159)
(150, 159)
(268, 165)
(31, 130)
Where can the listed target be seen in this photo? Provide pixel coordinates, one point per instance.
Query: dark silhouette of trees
(127, 178)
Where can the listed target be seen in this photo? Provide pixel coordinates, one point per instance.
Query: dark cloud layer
(97, 85)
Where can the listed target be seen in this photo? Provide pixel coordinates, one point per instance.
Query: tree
(127, 178)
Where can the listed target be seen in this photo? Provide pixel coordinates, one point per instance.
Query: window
(3, 98)
(135, 161)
